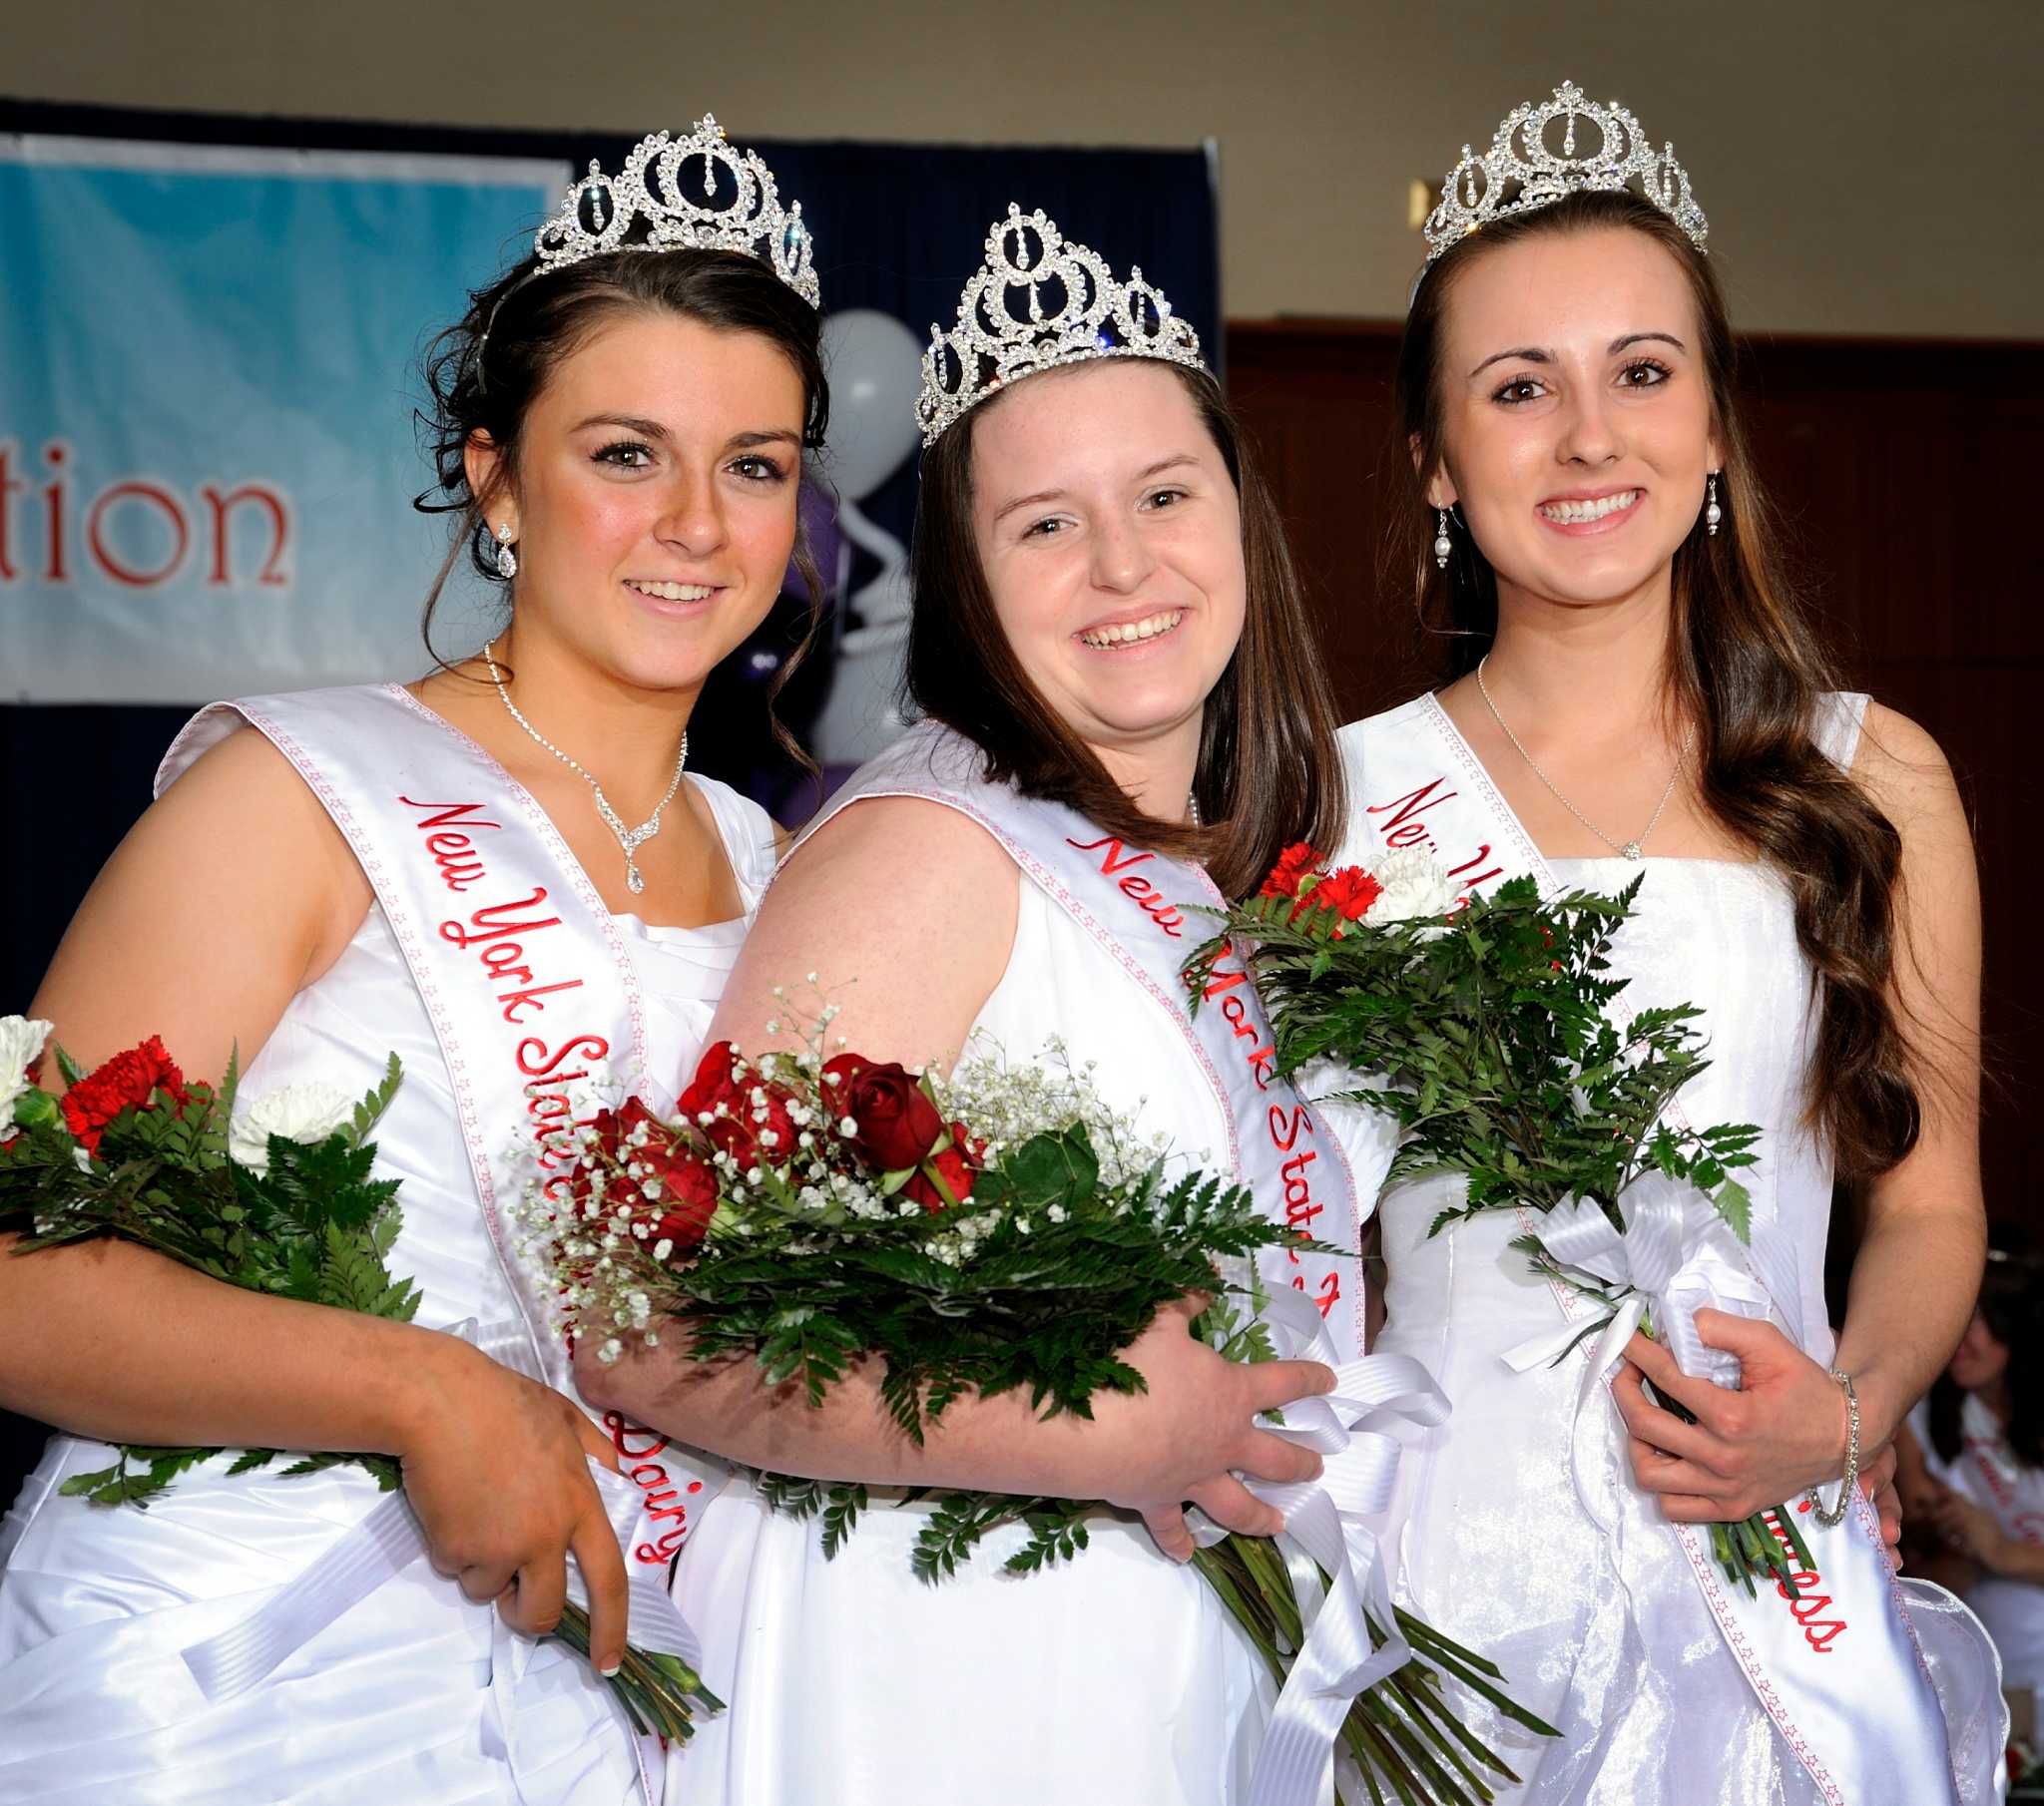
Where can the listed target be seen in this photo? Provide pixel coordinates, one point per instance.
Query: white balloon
(876, 370)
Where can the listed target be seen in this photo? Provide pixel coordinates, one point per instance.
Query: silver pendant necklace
(1631, 849)
(630, 839)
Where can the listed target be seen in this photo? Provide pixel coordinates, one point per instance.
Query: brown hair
(1745, 666)
(1269, 772)
(2013, 1303)
(485, 371)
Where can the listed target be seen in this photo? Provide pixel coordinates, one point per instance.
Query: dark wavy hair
(485, 372)
(1746, 667)
(2012, 1301)
(1269, 772)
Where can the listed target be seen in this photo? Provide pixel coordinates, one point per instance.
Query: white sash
(2012, 1492)
(1133, 905)
(531, 989)
(1840, 1670)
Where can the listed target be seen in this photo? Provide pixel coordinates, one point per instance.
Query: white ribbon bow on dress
(1677, 1257)
(1324, 1532)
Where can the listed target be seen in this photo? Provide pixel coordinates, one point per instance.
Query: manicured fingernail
(610, 1671)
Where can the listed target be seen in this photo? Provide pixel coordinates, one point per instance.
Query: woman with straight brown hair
(1121, 698)
(1632, 693)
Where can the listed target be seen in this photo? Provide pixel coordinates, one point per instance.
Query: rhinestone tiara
(1092, 316)
(1523, 169)
(739, 210)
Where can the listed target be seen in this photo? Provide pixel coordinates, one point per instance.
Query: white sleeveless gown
(1595, 1615)
(416, 1695)
(1117, 1678)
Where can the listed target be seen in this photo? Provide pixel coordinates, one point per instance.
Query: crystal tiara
(1523, 169)
(1091, 315)
(739, 210)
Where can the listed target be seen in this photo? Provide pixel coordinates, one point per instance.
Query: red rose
(689, 1189)
(897, 1122)
(749, 1117)
(1293, 864)
(713, 1083)
(128, 1079)
(1351, 890)
(954, 1165)
(609, 1128)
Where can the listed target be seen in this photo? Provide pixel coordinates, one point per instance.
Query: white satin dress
(2012, 1609)
(1594, 1612)
(1117, 1679)
(416, 1696)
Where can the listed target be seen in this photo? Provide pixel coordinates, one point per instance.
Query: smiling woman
(437, 869)
(1633, 692)
(1118, 685)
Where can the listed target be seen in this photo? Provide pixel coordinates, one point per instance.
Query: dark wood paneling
(1904, 471)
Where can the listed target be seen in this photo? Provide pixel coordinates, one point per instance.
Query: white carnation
(299, 1112)
(21, 1045)
(1416, 886)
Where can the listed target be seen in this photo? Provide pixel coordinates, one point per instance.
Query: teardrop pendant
(633, 882)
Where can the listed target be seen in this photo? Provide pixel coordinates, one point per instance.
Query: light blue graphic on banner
(209, 363)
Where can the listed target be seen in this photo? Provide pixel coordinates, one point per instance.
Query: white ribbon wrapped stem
(388, 1541)
(1677, 1257)
(1326, 1534)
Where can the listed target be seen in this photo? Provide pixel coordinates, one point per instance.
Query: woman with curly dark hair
(500, 872)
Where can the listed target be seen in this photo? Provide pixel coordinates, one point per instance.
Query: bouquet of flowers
(278, 1198)
(998, 1230)
(1486, 1024)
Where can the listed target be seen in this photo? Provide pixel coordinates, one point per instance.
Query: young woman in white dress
(618, 433)
(1109, 649)
(1631, 688)
(1972, 1465)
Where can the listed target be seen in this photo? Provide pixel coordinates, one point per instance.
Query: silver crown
(739, 210)
(1523, 169)
(1092, 316)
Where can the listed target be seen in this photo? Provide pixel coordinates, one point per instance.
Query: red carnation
(128, 1079)
(1293, 864)
(1351, 890)
(897, 1122)
(749, 1117)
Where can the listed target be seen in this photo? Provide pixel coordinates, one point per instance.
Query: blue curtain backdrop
(898, 228)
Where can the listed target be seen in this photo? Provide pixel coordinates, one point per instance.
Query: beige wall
(1868, 168)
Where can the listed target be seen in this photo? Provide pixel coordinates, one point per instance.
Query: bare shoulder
(232, 892)
(242, 812)
(904, 910)
(1901, 766)
(923, 846)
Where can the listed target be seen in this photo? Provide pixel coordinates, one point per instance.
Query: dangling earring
(507, 559)
(1442, 545)
(1712, 514)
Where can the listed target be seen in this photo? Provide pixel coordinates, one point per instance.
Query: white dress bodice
(415, 1695)
(1114, 1677)
(1519, 1528)
(1495, 1544)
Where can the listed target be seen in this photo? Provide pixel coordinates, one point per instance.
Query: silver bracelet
(1837, 1515)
